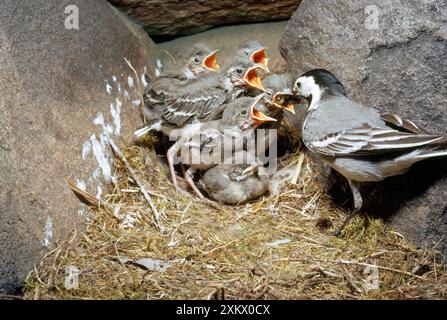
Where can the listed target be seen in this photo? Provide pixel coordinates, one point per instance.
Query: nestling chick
(199, 100)
(237, 183)
(214, 141)
(195, 62)
(254, 51)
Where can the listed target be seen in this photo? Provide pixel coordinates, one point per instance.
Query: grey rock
(399, 67)
(173, 17)
(53, 84)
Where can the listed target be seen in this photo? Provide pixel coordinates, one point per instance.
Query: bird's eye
(298, 84)
(196, 60)
(244, 112)
(239, 71)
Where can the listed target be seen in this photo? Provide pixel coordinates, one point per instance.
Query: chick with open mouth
(254, 51)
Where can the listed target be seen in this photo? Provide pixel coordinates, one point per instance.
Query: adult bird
(356, 140)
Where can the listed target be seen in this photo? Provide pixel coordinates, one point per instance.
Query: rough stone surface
(53, 85)
(399, 67)
(173, 17)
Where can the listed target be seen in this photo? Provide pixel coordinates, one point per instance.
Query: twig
(169, 55)
(218, 247)
(380, 267)
(88, 198)
(295, 177)
(156, 214)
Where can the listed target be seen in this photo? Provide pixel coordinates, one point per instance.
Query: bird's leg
(170, 156)
(358, 203)
(189, 177)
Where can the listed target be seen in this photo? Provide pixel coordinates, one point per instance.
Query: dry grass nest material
(275, 248)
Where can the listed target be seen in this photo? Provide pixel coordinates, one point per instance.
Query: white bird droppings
(48, 233)
(115, 111)
(86, 148)
(101, 157)
(81, 184)
(143, 78)
(108, 88)
(130, 82)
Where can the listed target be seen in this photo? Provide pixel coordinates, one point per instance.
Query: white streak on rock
(108, 88)
(99, 193)
(130, 82)
(86, 148)
(99, 120)
(115, 111)
(48, 233)
(81, 184)
(96, 174)
(136, 103)
(143, 78)
(99, 152)
(114, 79)
(109, 129)
(126, 95)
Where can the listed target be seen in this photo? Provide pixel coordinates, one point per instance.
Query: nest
(275, 248)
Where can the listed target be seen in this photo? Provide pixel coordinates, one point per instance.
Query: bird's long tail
(152, 125)
(432, 151)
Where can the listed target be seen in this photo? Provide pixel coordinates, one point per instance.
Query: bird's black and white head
(313, 84)
(254, 51)
(200, 59)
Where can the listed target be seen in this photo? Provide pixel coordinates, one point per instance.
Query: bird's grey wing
(402, 124)
(196, 105)
(367, 140)
(161, 91)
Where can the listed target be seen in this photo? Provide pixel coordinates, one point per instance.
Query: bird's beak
(210, 61)
(286, 104)
(252, 78)
(251, 168)
(290, 107)
(258, 117)
(260, 57)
